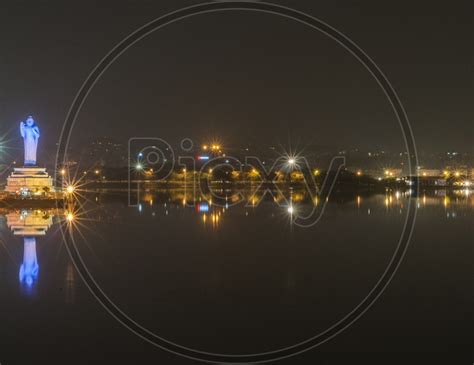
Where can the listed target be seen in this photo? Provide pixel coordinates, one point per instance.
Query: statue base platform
(30, 182)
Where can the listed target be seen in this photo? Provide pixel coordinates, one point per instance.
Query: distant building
(429, 172)
(386, 173)
(105, 151)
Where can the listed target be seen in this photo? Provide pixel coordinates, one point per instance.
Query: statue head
(30, 122)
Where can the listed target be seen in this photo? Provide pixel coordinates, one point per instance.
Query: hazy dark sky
(241, 77)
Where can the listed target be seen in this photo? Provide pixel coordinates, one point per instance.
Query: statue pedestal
(30, 182)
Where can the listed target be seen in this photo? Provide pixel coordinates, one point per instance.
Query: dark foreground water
(237, 279)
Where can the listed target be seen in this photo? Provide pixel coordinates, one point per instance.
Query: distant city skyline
(113, 152)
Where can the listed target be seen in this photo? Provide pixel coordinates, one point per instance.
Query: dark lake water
(235, 279)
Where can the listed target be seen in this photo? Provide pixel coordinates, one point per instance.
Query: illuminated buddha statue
(30, 133)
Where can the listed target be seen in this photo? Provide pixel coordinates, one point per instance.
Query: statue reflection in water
(29, 224)
(29, 268)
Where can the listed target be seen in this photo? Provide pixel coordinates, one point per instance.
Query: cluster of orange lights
(455, 173)
(212, 147)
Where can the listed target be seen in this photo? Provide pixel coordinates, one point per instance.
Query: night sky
(240, 77)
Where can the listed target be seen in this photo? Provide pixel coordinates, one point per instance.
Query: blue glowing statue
(30, 133)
